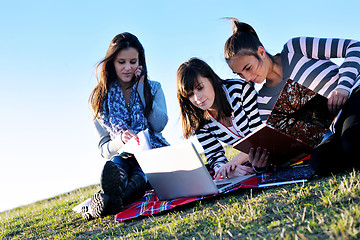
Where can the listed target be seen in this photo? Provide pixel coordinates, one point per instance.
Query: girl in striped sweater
(306, 60)
(216, 110)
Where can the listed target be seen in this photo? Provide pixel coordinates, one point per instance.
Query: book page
(134, 145)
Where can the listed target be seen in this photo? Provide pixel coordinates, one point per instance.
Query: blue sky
(49, 50)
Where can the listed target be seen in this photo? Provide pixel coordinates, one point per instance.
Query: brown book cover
(297, 123)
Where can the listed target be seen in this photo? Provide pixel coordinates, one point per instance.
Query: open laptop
(178, 171)
(298, 122)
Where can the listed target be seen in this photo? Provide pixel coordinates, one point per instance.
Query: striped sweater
(306, 60)
(245, 118)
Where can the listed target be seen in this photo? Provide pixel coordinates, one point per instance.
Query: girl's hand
(138, 72)
(232, 169)
(259, 159)
(127, 135)
(241, 170)
(337, 99)
(223, 171)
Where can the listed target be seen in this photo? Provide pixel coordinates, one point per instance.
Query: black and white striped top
(245, 119)
(306, 60)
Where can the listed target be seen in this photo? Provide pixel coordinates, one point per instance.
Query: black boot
(113, 181)
(135, 189)
(96, 207)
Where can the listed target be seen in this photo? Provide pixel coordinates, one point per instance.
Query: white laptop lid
(176, 171)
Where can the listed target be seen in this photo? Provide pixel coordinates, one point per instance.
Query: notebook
(178, 171)
(294, 174)
(297, 123)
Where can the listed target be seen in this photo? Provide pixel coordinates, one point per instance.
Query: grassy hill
(324, 208)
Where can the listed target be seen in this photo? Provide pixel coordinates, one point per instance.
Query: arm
(158, 117)
(249, 102)
(325, 49)
(243, 100)
(247, 118)
(108, 147)
(235, 167)
(213, 149)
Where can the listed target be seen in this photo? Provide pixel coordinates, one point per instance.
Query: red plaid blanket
(150, 203)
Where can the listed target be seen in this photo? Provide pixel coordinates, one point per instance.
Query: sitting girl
(308, 61)
(124, 102)
(216, 110)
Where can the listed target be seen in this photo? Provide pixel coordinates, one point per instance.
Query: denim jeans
(129, 164)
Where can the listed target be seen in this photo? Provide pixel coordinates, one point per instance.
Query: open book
(297, 123)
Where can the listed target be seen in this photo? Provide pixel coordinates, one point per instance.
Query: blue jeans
(336, 153)
(129, 164)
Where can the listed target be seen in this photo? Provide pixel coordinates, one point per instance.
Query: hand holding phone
(139, 74)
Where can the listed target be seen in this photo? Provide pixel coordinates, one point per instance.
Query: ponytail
(242, 27)
(244, 37)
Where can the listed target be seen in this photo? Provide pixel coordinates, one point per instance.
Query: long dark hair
(106, 74)
(187, 76)
(244, 40)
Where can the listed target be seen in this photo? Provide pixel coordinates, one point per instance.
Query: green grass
(325, 208)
